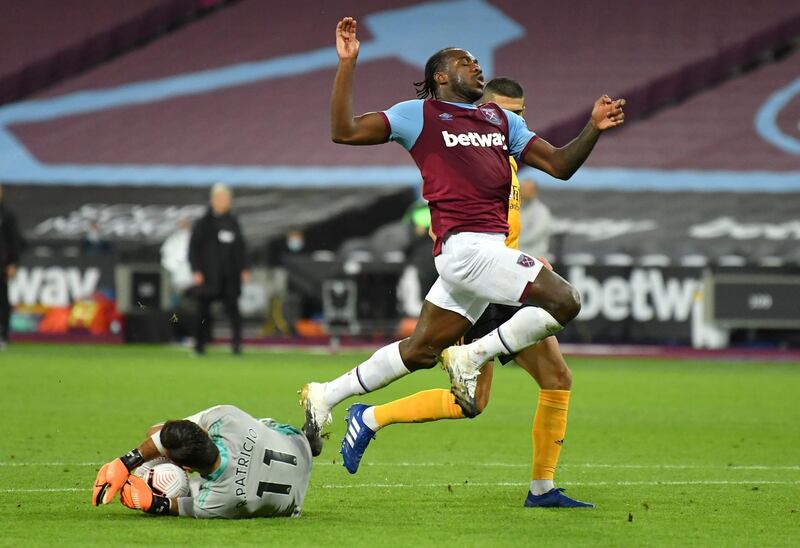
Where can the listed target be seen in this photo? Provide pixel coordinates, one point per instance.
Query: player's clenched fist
(137, 495)
(607, 113)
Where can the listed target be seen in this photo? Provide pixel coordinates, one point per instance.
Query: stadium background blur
(116, 117)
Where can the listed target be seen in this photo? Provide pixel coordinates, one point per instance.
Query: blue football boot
(356, 438)
(554, 498)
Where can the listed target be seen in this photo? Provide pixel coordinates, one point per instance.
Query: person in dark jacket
(11, 244)
(218, 259)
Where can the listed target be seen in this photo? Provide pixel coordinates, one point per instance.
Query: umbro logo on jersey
(474, 139)
(446, 116)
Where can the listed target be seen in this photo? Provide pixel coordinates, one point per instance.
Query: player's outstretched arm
(367, 129)
(113, 475)
(563, 162)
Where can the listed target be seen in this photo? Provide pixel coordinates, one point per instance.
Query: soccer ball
(164, 478)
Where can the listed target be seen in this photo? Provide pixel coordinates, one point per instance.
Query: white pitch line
(53, 490)
(577, 465)
(491, 465)
(52, 463)
(478, 484)
(567, 483)
(685, 466)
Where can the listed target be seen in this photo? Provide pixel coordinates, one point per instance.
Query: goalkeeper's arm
(113, 475)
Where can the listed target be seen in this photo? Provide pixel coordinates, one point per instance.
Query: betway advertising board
(59, 281)
(634, 304)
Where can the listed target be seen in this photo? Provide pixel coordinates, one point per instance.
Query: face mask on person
(295, 242)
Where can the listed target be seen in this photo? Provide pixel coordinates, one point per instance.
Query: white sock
(527, 326)
(540, 487)
(383, 367)
(369, 418)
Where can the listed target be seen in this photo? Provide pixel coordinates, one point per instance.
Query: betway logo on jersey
(474, 139)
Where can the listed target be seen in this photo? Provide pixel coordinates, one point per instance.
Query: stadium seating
(45, 41)
(565, 56)
(712, 130)
(682, 227)
(117, 116)
(134, 220)
(662, 52)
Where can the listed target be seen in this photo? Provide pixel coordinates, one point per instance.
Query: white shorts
(477, 269)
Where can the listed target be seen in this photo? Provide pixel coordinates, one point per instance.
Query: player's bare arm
(367, 129)
(153, 429)
(563, 162)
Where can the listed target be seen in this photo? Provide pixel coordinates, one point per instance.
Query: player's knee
(569, 305)
(563, 379)
(418, 356)
(556, 377)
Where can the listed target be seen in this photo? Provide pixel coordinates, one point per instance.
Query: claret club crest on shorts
(525, 260)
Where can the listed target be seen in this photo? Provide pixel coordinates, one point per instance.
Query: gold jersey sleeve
(512, 240)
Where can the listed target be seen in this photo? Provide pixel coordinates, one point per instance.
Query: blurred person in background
(535, 218)
(175, 257)
(175, 261)
(218, 258)
(420, 272)
(93, 242)
(420, 248)
(295, 241)
(11, 244)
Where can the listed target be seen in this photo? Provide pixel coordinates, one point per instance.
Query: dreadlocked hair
(427, 88)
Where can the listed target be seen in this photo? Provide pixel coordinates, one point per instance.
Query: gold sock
(549, 428)
(425, 406)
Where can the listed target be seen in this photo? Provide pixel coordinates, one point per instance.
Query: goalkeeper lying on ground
(248, 467)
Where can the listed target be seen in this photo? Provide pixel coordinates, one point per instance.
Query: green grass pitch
(671, 452)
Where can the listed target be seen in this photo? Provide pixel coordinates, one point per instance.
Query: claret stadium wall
(681, 228)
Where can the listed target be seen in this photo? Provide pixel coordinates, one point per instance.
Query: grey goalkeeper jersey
(264, 468)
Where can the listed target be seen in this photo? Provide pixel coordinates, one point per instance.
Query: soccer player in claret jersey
(543, 361)
(462, 152)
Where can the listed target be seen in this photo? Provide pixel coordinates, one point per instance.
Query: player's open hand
(607, 113)
(110, 479)
(346, 43)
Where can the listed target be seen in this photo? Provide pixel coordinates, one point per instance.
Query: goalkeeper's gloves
(113, 475)
(137, 495)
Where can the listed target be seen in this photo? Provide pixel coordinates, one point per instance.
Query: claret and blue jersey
(462, 152)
